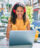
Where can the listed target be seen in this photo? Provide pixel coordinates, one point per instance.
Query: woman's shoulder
(9, 20)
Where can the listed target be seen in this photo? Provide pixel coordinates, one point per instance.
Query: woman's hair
(13, 14)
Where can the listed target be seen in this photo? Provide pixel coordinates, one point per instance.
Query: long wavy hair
(14, 16)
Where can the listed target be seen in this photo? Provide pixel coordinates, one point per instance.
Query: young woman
(18, 20)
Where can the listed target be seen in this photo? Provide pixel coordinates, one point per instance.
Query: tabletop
(4, 43)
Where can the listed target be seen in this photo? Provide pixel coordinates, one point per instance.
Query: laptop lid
(21, 37)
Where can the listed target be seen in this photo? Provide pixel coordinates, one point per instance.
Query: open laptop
(21, 37)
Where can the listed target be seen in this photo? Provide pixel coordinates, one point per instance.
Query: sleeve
(14, 27)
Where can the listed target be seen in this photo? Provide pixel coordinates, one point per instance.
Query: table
(4, 43)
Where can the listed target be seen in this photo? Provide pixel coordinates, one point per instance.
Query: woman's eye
(21, 11)
(17, 11)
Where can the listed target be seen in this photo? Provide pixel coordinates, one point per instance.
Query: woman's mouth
(20, 15)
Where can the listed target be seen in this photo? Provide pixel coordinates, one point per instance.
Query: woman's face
(20, 12)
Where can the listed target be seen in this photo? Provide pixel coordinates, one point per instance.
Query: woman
(18, 20)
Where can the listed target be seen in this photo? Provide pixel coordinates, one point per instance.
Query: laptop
(21, 37)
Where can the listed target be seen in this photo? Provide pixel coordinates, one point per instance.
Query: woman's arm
(8, 28)
(28, 26)
(28, 23)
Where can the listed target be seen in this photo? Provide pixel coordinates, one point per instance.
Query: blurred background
(32, 11)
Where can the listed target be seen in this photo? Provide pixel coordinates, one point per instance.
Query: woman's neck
(19, 18)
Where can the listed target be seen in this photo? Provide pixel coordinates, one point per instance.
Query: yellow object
(0, 10)
(36, 36)
(20, 25)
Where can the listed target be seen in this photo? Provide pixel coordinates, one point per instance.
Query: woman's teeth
(19, 15)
